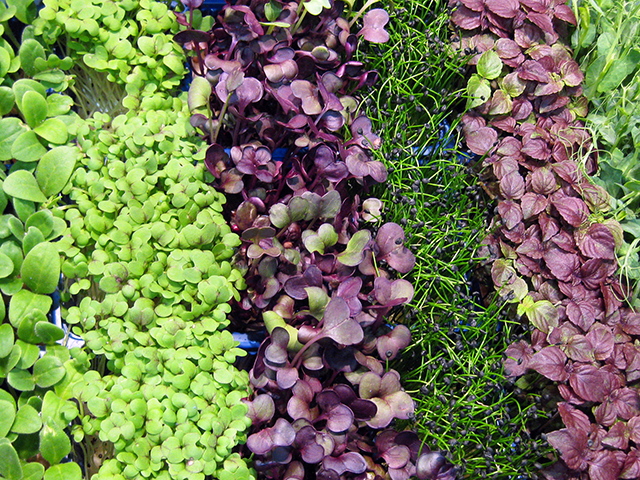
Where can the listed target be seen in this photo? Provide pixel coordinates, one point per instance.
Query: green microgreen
(464, 403)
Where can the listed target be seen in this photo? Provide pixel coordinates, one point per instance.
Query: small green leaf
(55, 169)
(32, 238)
(479, 91)
(21, 380)
(22, 184)
(7, 338)
(34, 108)
(27, 420)
(6, 268)
(27, 147)
(43, 220)
(8, 410)
(33, 471)
(10, 467)
(24, 302)
(53, 130)
(54, 444)
(10, 129)
(48, 333)
(5, 62)
(272, 10)
(41, 268)
(7, 98)
(354, 253)
(314, 7)
(489, 65)
(63, 471)
(48, 371)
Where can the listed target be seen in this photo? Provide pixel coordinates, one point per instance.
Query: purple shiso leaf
(572, 445)
(550, 362)
(597, 242)
(512, 186)
(604, 466)
(631, 467)
(482, 140)
(373, 26)
(602, 340)
(465, 18)
(572, 209)
(590, 383)
(510, 212)
(518, 356)
(574, 418)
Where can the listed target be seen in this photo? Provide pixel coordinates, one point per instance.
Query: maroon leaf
(543, 181)
(510, 212)
(597, 242)
(518, 356)
(568, 171)
(630, 323)
(572, 445)
(482, 140)
(589, 382)
(465, 18)
(581, 314)
(536, 148)
(507, 48)
(503, 8)
(617, 437)
(631, 467)
(579, 348)
(548, 226)
(572, 209)
(281, 434)
(550, 362)
(532, 70)
(625, 402)
(532, 204)
(604, 466)
(573, 418)
(512, 185)
(347, 462)
(563, 265)
(337, 324)
(602, 340)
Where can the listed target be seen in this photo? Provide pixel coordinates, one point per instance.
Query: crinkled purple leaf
(572, 445)
(512, 186)
(573, 418)
(563, 265)
(589, 382)
(482, 140)
(518, 356)
(631, 466)
(597, 242)
(572, 209)
(550, 362)
(510, 212)
(604, 466)
(465, 18)
(503, 8)
(602, 340)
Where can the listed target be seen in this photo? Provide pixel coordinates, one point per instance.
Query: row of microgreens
(321, 267)
(606, 46)
(453, 367)
(147, 271)
(550, 247)
(37, 162)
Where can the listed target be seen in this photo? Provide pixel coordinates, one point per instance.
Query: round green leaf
(479, 91)
(43, 220)
(7, 99)
(54, 444)
(6, 268)
(64, 471)
(489, 65)
(48, 333)
(27, 147)
(48, 371)
(5, 62)
(24, 85)
(24, 302)
(33, 471)
(53, 130)
(26, 330)
(55, 169)
(10, 467)
(32, 238)
(8, 410)
(10, 129)
(21, 380)
(41, 268)
(22, 184)
(27, 420)
(34, 108)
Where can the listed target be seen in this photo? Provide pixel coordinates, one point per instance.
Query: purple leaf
(550, 362)
(390, 344)
(313, 445)
(276, 353)
(631, 467)
(281, 434)
(510, 212)
(482, 140)
(572, 209)
(430, 465)
(391, 293)
(589, 382)
(602, 340)
(261, 409)
(596, 242)
(360, 165)
(390, 240)
(465, 18)
(373, 26)
(604, 466)
(503, 8)
(347, 462)
(338, 326)
(339, 418)
(518, 356)
(563, 265)
(573, 418)
(512, 186)
(572, 445)
(397, 456)
(308, 94)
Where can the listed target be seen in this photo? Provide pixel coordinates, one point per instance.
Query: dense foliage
(550, 249)
(276, 88)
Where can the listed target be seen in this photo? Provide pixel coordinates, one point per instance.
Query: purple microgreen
(386, 393)
(347, 462)
(360, 165)
(390, 344)
(261, 409)
(373, 26)
(281, 434)
(390, 241)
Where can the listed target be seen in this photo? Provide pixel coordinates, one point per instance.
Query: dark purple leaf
(589, 382)
(308, 94)
(543, 181)
(465, 18)
(360, 165)
(568, 171)
(295, 286)
(597, 242)
(347, 462)
(313, 445)
(561, 264)
(536, 148)
(617, 437)
(276, 354)
(631, 323)
(532, 204)
(550, 362)
(518, 356)
(390, 240)
(482, 140)
(430, 465)
(287, 377)
(572, 209)
(602, 340)
(339, 418)
(533, 70)
(631, 466)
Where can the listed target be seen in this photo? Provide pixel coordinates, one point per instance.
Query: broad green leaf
(21, 380)
(27, 420)
(41, 268)
(34, 108)
(54, 444)
(354, 253)
(32, 238)
(617, 72)
(24, 85)
(64, 471)
(7, 98)
(23, 208)
(43, 220)
(48, 333)
(53, 130)
(10, 467)
(59, 104)
(199, 93)
(27, 147)
(33, 471)
(10, 129)
(489, 65)
(22, 184)
(5, 62)
(55, 169)
(479, 91)
(314, 7)
(8, 410)
(27, 328)
(48, 371)
(30, 49)
(7, 338)
(6, 267)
